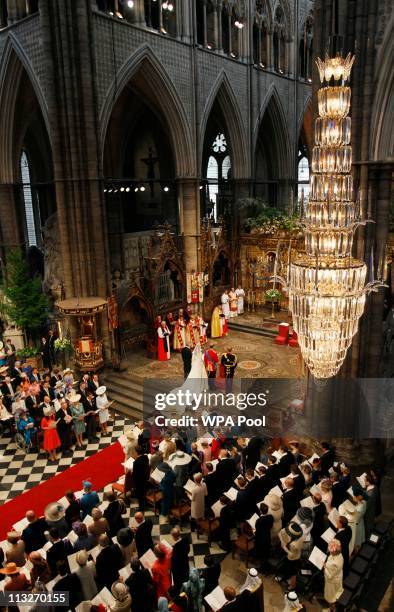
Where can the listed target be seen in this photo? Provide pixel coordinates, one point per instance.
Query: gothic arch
(223, 93)
(159, 90)
(14, 63)
(305, 124)
(382, 136)
(284, 5)
(272, 109)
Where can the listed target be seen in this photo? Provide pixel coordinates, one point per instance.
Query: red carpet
(102, 468)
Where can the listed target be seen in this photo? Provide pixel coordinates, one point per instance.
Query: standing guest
(275, 507)
(289, 500)
(108, 562)
(319, 512)
(122, 597)
(216, 329)
(233, 303)
(326, 494)
(225, 471)
(10, 351)
(57, 552)
(198, 495)
(186, 354)
(292, 603)
(102, 404)
(17, 579)
(89, 499)
(78, 415)
(179, 559)
(15, 553)
(207, 455)
(180, 331)
(55, 517)
(113, 514)
(371, 491)
(142, 588)
(40, 570)
(86, 573)
(225, 300)
(348, 510)
(229, 363)
(51, 437)
(140, 476)
(161, 570)
(8, 391)
(125, 538)
(327, 459)
(194, 589)
(197, 459)
(85, 540)
(344, 536)
(69, 583)
(73, 510)
(94, 384)
(166, 488)
(211, 360)
(262, 536)
(64, 420)
(99, 524)
(27, 427)
(143, 533)
(34, 534)
(240, 293)
(211, 574)
(163, 342)
(156, 456)
(336, 490)
(361, 506)
(292, 541)
(90, 417)
(6, 417)
(51, 347)
(333, 574)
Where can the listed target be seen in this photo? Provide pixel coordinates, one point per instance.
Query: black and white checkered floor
(20, 471)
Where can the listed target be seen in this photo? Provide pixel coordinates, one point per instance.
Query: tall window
(28, 201)
(218, 169)
(306, 51)
(279, 42)
(303, 176)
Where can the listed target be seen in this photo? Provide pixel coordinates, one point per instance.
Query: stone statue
(53, 263)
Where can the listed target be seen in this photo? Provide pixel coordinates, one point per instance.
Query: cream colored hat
(101, 390)
(74, 398)
(179, 458)
(54, 512)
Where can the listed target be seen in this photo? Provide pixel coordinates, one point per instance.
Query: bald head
(289, 483)
(198, 478)
(229, 593)
(31, 516)
(316, 498)
(176, 534)
(139, 517)
(223, 454)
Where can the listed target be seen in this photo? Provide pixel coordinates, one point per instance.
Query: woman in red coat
(161, 570)
(51, 437)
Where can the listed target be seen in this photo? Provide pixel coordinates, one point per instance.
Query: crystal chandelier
(326, 284)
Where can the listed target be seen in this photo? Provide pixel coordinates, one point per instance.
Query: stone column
(72, 109)
(204, 9)
(139, 12)
(269, 44)
(189, 204)
(12, 11)
(218, 26)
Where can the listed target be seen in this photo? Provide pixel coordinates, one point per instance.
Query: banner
(195, 287)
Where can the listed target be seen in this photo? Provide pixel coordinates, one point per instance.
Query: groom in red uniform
(211, 361)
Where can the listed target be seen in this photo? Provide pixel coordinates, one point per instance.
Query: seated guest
(121, 595)
(85, 540)
(113, 513)
(161, 570)
(333, 574)
(17, 580)
(34, 534)
(73, 511)
(89, 499)
(292, 603)
(344, 536)
(210, 573)
(108, 562)
(15, 553)
(180, 559)
(142, 588)
(86, 573)
(40, 570)
(57, 552)
(99, 525)
(143, 533)
(262, 536)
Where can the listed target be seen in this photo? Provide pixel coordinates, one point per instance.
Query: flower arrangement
(273, 295)
(62, 344)
(265, 219)
(28, 351)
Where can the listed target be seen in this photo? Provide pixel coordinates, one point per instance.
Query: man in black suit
(47, 391)
(211, 482)
(57, 552)
(69, 583)
(326, 459)
(8, 390)
(264, 484)
(285, 462)
(90, 419)
(225, 471)
(344, 535)
(273, 471)
(319, 512)
(262, 536)
(108, 563)
(140, 476)
(211, 574)
(253, 451)
(179, 559)
(337, 492)
(34, 534)
(143, 534)
(64, 426)
(186, 354)
(290, 501)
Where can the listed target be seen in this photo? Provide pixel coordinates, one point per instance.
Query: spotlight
(110, 190)
(122, 188)
(136, 189)
(209, 46)
(127, 189)
(142, 188)
(166, 188)
(115, 191)
(170, 7)
(105, 189)
(239, 24)
(201, 187)
(130, 3)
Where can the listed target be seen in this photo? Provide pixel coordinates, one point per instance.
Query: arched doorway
(135, 322)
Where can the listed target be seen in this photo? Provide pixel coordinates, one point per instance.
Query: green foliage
(267, 219)
(63, 344)
(29, 351)
(24, 302)
(273, 295)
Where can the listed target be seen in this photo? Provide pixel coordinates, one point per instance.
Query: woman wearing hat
(122, 597)
(78, 415)
(55, 516)
(179, 461)
(333, 574)
(86, 573)
(17, 579)
(275, 508)
(102, 404)
(51, 437)
(292, 540)
(348, 510)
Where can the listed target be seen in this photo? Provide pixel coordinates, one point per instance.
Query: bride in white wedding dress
(197, 381)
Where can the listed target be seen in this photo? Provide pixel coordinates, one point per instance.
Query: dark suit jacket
(33, 535)
(186, 353)
(108, 564)
(344, 536)
(56, 553)
(274, 473)
(225, 474)
(211, 576)
(180, 561)
(290, 505)
(143, 537)
(284, 464)
(262, 536)
(326, 461)
(141, 471)
(70, 583)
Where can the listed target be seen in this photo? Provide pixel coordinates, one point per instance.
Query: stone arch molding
(164, 95)
(224, 94)
(273, 106)
(13, 61)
